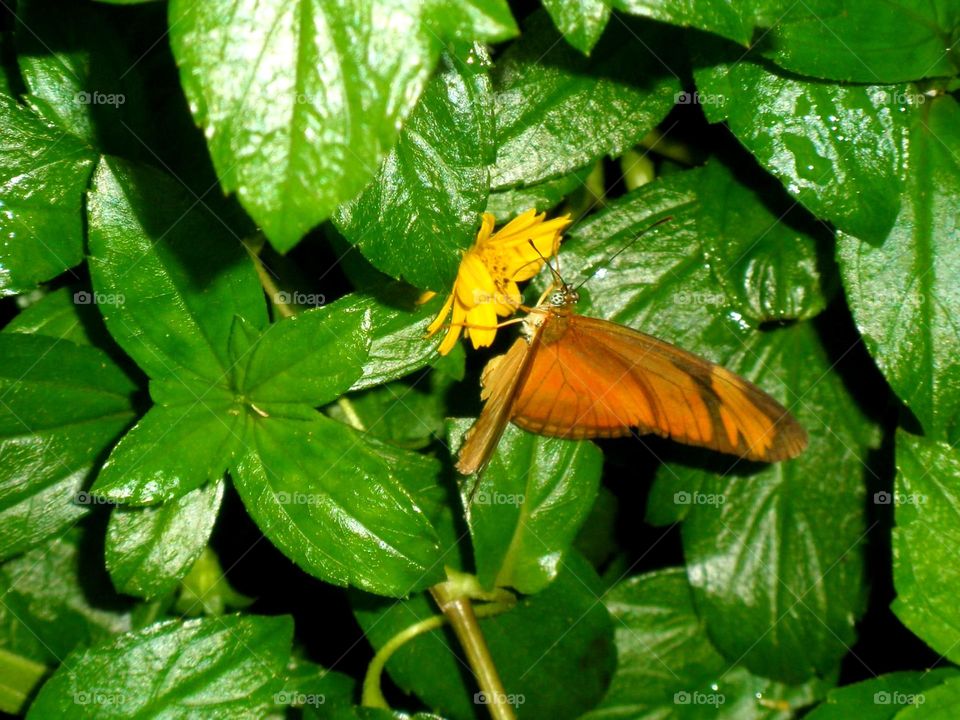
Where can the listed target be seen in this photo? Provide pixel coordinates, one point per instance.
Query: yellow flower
(486, 284)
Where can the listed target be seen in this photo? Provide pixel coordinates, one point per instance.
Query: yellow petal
(486, 227)
(474, 284)
(485, 317)
(441, 317)
(508, 299)
(456, 327)
(426, 297)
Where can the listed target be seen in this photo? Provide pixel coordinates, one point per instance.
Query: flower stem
(458, 610)
(372, 695)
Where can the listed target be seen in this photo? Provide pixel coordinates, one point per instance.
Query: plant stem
(459, 611)
(372, 696)
(253, 246)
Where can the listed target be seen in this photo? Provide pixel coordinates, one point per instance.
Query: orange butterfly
(577, 377)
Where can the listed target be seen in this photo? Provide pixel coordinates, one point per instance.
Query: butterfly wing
(593, 378)
(501, 378)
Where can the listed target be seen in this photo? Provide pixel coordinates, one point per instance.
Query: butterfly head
(565, 297)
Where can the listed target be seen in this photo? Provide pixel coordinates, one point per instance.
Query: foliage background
(217, 409)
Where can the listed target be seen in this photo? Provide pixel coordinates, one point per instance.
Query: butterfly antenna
(613, 257)
(557, 277)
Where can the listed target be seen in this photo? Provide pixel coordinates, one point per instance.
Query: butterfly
(576, 377)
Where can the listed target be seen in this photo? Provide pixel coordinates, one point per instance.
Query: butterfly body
(578, 377)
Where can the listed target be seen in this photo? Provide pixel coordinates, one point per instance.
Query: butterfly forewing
(583, 377)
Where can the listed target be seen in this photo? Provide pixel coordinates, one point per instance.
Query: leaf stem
(253, 246)
(372, 695)
(457, 608)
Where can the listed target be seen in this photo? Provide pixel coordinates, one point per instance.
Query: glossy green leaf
(927, 512)
(667, 667)
(557, 111)
(554, 650)
(61, 406)
(314, 688)
(508, 203)
(733, 20)
(336, 506)
(89, 88)
(939, 703)
(43, 174)
(67, 314)
(398, 342)
(787, 535)
(422, 210)
(229, 667)
(865, 41)
(581, 21)
(838, 149)
(301, 103)
(169, 277)
(171, 451)
(904, 292)
(528, 506)
(769, 259)
(149, 550)
(309, 358)
(883, 697)
(57, 597)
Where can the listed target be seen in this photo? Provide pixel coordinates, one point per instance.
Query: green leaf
(205, 589)
(768, 259)
(733, 20)
(57, 597)
(557, 111)
(559, 639)
(928, 527)
(883, 697)
(528, 506)
(903, 292)
(229, 667)
(176, 276)
(398, 342)
(171, 451)
(865, 41)
(786, 535)
(61, 406)
(89, 88)
(581, 21)
(666, 666)
(43, 174)
(300, 103)
(939, 703)
(19, 680)
(838, 149)
(336, 506)
(506, 204)
(66, 314)
(423, 208)
(307, 359)
(313, 687)
(149, 550)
